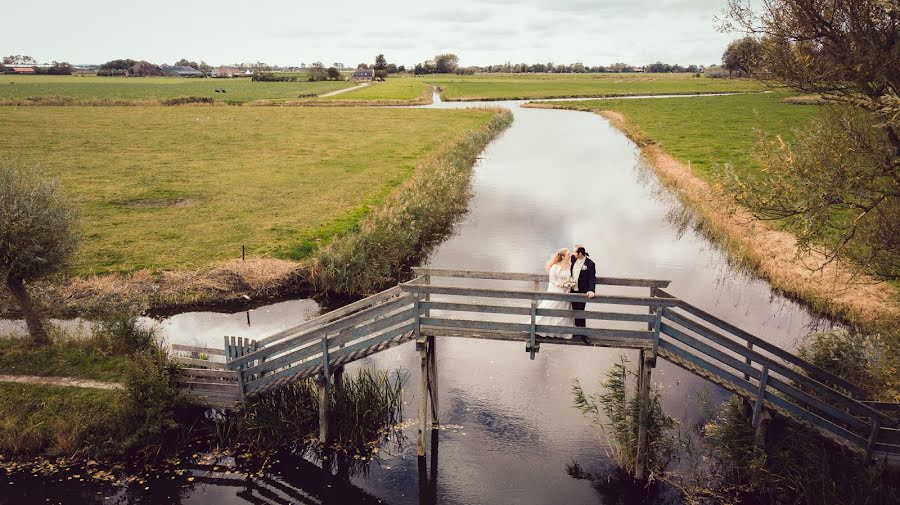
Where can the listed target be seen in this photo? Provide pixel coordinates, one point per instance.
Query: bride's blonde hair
(560, 256)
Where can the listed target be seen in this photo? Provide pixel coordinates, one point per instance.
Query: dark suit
(587, 281)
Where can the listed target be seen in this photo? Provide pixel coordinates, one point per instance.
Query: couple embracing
(568, 273)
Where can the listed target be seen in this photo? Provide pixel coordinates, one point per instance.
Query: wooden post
(643, 445)
(422, 346)
(324, 406)
(324, 393)
(338, 378)
(532, 345)
(432, 380)
(748, 360)
(873, 437)
(760, 397)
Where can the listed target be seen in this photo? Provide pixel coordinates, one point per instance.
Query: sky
(284, 32)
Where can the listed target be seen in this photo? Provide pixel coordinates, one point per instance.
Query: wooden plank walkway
(504, 306)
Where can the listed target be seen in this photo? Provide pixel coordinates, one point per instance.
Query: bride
(559, 268)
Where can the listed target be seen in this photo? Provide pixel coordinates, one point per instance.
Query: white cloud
(288, 32)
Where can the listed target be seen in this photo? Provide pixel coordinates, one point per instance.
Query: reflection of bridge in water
(504, 306)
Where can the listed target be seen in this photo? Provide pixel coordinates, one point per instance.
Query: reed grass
(409, 223)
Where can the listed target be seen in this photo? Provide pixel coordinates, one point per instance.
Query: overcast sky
(285, 32)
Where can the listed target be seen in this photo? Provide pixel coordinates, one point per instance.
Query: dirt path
(61, 381)
(345, 90)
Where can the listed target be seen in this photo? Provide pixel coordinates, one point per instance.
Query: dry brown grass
(806, 100)
(835, 289)
(221, 283)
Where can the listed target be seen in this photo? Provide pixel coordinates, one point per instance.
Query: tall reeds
(408, 223)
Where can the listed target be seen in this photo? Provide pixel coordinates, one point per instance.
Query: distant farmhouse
(362, 75)
(20, 70)
(182, 71)
(225, 71)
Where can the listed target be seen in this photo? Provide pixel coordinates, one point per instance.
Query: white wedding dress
(557, 279)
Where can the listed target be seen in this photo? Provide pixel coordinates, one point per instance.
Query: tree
(839, 185)
(184, 62)
(392, 68)
(445, 63)
(18, 59)
(38, 235)
(741, 55)
(317, 72)
(334, 74)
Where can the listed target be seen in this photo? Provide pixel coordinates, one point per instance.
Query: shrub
(797, 466)
(617, 417)
(870, 361)
(184, 100)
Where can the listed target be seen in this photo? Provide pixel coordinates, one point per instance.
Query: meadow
(394, 88)
(535, 86)
(708, 132)
(181, 187)
(92, 88)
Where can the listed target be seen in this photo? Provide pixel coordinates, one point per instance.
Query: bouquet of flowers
(569, 283)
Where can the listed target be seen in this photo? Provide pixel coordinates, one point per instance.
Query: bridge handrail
(517, 276)
(773, 367)
(432, 289)
(769, 347)
(332, 315)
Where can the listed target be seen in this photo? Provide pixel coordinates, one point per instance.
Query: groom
(585, 274)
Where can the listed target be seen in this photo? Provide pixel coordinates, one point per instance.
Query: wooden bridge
(504, 306)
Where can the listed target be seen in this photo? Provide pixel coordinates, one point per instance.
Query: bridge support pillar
(324, 383)
(422, 347)
(643, 443)
(431, 351)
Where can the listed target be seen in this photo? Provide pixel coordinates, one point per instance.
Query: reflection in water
(554, 178)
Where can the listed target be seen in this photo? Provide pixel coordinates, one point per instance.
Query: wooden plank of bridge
(643, 444)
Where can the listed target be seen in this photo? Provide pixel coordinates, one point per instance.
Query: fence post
(658, 312)
(531, 341)
(760, 397)
(432, 364)
(324, 383)
(643, 444)
(422, 347)
(748, 360)
(876, 426)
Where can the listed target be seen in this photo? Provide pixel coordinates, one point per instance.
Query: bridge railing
(326, 341)
(771, 376)
(497, 311)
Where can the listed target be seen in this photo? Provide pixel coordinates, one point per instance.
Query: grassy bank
(688, 142)
(182, 188)
(409, 222)
(535, 86)
(91, 89)
(283, 182)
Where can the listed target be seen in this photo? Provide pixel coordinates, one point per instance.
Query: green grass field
(708, 131)
(180, 187)
(238, 90)
(395, 88)
(534, 86)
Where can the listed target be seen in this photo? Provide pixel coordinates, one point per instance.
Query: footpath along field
(92, 88)
(182, 187)
(535, 86)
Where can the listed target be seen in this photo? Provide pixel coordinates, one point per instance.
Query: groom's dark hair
(581, 250)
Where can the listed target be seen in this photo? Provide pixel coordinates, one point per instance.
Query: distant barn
(182, 71)
(20, 70)
(362, 75)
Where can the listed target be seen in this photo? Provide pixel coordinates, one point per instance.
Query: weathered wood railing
(483, 305)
